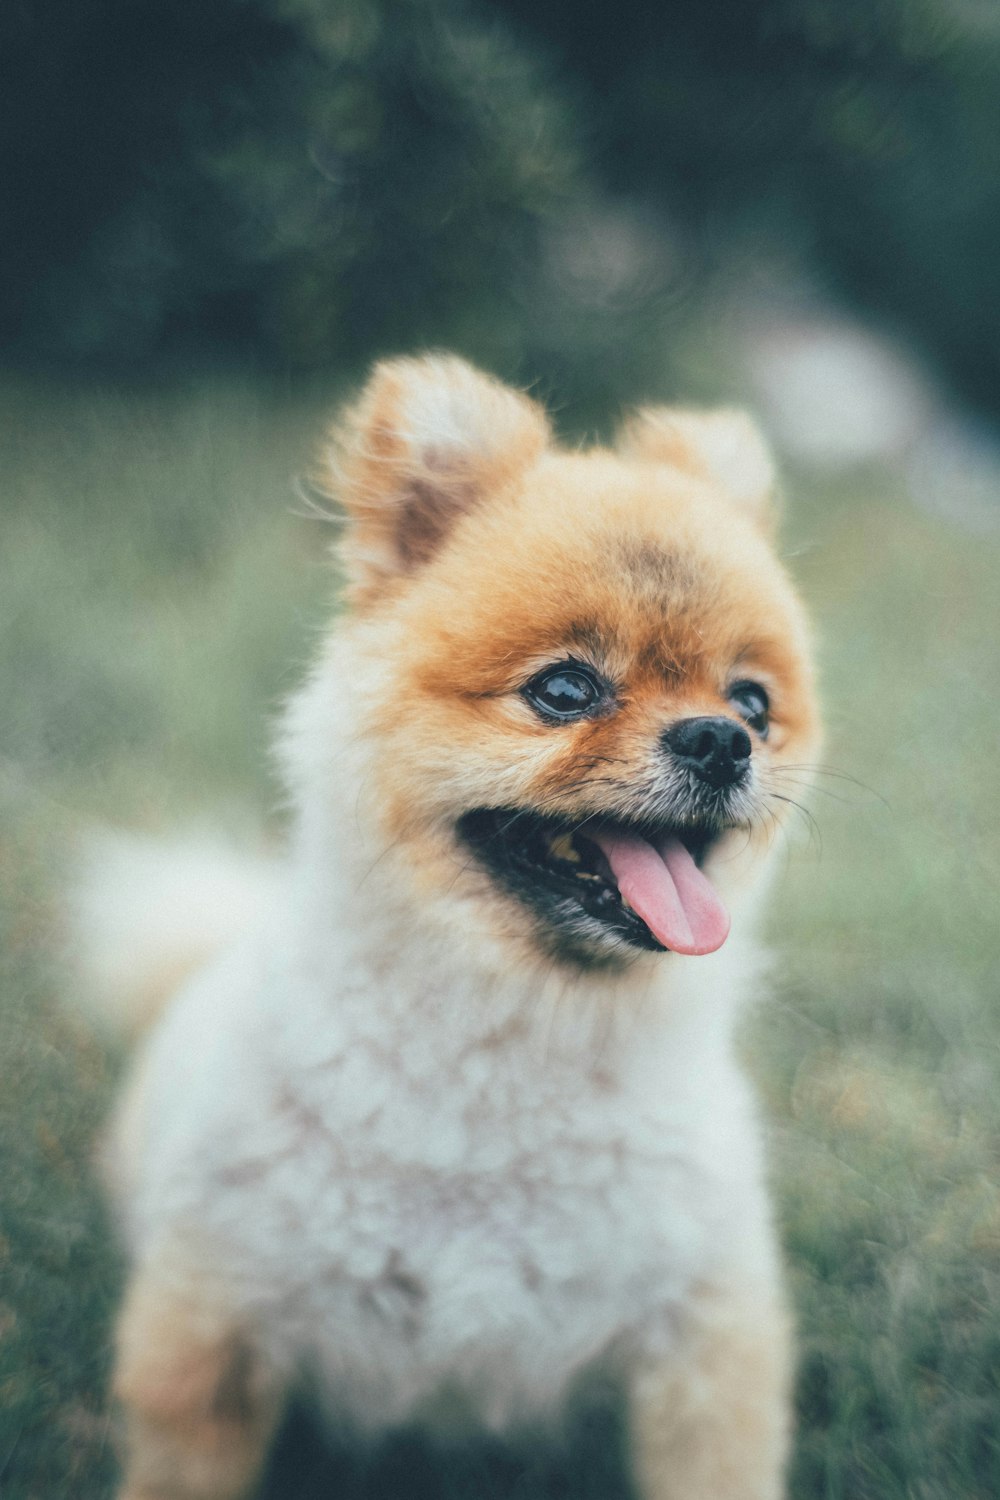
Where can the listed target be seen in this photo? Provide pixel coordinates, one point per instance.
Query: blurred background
(218, 212)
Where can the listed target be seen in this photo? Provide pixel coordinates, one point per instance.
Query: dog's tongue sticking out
(676, 901)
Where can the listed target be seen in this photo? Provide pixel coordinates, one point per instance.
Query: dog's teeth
(562, 848)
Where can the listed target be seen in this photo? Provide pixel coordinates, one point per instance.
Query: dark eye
(566, 692)
(751, 702)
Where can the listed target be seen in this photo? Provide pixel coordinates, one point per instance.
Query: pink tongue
(675, 900)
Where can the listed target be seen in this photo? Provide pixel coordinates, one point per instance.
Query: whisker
(805, 814)
(823, 791)
(833, 772)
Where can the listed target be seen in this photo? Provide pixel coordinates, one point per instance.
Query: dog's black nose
(715, 749)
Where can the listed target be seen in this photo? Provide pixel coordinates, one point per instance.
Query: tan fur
(477, 554)
(716, 1427)
(723, 446)
(201, 1407)
(427, 440)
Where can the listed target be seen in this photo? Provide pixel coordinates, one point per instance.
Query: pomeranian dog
(456, 1118)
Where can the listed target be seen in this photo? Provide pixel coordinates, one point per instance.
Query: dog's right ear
(428, 440)
(724, 446)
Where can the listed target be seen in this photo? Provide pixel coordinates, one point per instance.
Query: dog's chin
(561, 879)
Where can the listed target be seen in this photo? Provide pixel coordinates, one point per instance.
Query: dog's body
(448, 1123)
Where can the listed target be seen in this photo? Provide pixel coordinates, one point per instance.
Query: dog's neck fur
(358, 925)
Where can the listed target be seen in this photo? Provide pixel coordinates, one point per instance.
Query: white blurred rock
(953, 470)
(834, 395)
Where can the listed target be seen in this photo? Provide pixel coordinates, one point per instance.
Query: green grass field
(160, 587)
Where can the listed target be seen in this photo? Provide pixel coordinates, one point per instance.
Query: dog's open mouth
(639, 883)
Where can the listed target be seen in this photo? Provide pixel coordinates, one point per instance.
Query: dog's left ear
(724, 446)
(428, 440)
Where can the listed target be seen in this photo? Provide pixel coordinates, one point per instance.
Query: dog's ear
(428, 440)
(724, 446)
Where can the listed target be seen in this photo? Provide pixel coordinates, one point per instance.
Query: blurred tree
(866, 133)
(301, 182)
(313, 181)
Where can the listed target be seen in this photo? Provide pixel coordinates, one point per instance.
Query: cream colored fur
(383, 1147)
(148, 911)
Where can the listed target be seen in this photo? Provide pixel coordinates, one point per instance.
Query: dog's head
(579, 676)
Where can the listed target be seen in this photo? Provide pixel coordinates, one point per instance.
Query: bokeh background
(217, 213)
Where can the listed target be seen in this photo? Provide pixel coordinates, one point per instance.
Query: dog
(456, 1118)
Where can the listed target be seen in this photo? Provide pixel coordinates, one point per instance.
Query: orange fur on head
(480, 553)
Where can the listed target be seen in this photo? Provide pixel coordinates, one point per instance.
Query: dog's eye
(752, 703)
(565, 692)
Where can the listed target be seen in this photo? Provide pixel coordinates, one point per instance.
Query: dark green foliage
(307, 182)
(304, 177)
(299, 181)
(862, 135)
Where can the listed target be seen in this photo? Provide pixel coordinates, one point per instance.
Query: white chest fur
(420, 1185)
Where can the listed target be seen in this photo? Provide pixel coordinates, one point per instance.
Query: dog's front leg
(711, 1422)
(200, 1402)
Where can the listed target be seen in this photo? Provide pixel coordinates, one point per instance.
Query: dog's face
(585, 676)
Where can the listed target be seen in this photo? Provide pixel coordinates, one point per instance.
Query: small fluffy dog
(457, 1117)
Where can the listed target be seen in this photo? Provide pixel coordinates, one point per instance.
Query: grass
(881, 1058)
(158, 596)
